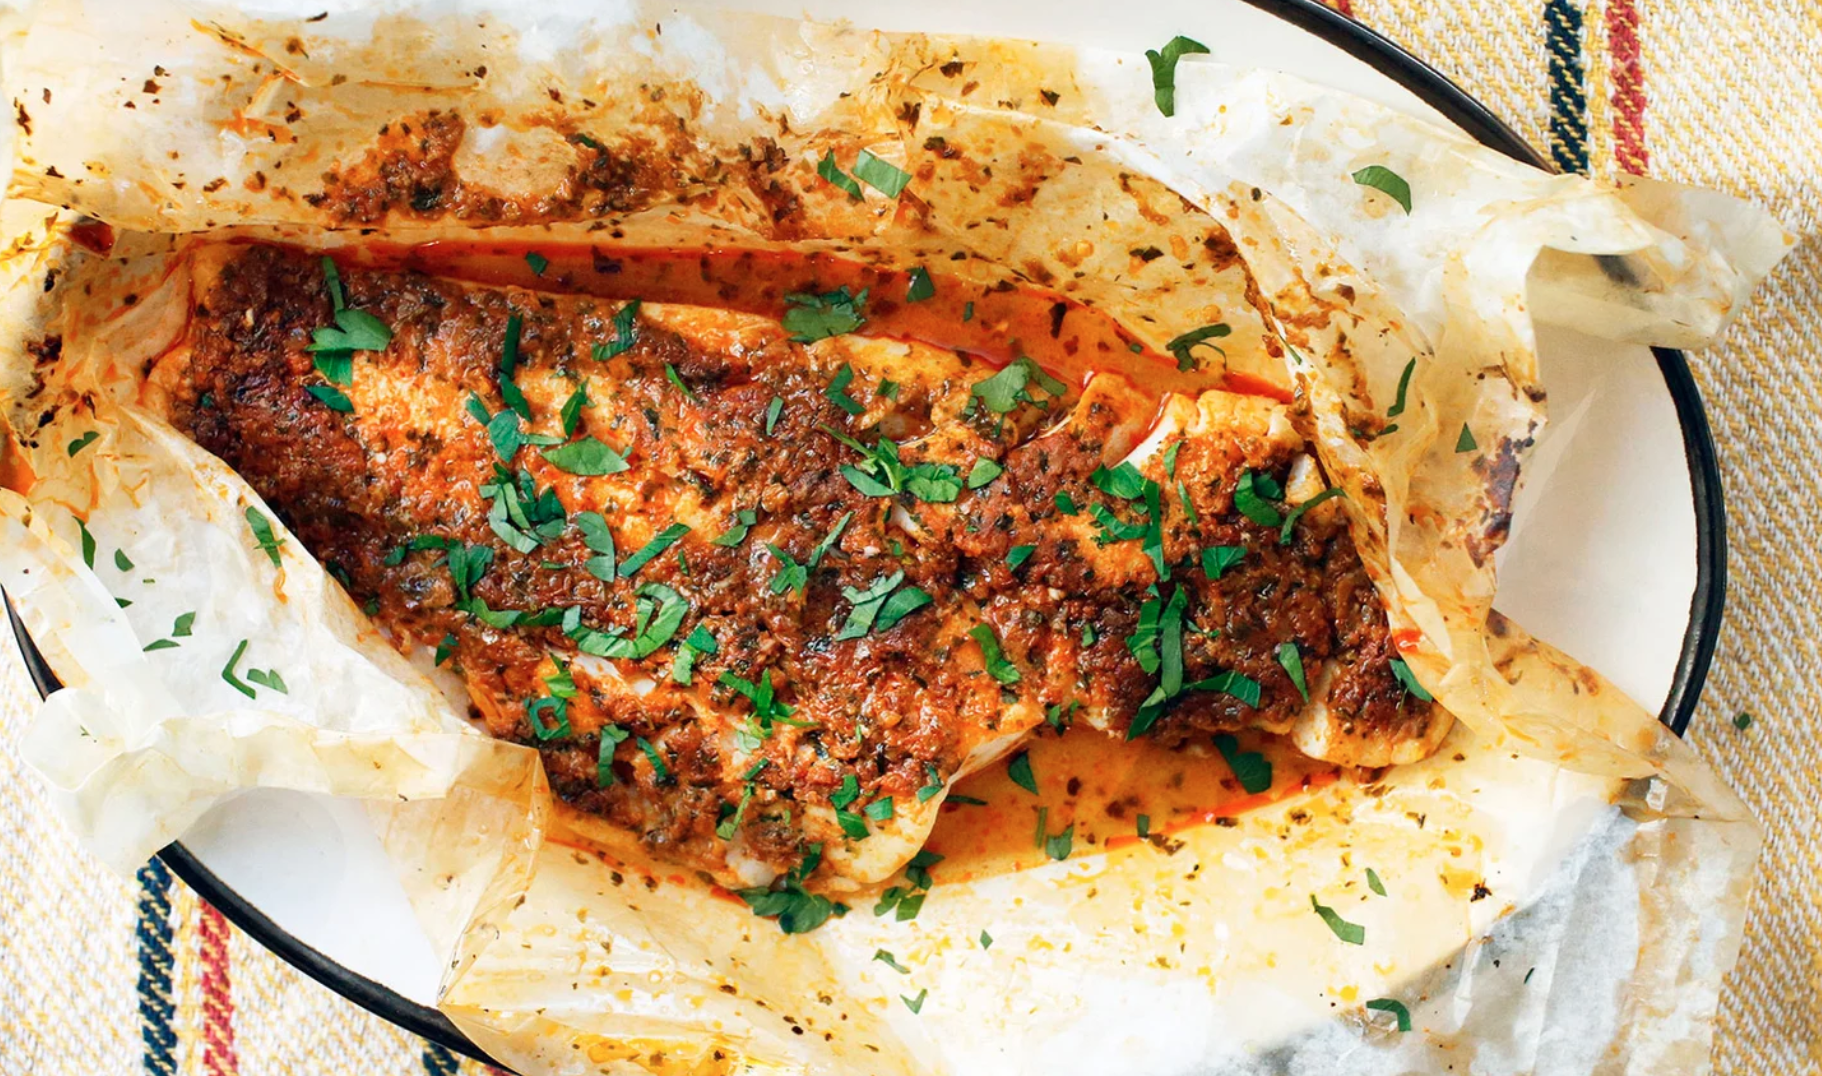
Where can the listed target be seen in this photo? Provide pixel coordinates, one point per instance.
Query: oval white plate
(1617, 551)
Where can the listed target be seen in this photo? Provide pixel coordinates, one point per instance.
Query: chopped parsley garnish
(1181, 347)
(837, 391)
(538, 262)
(659, 769)
(227, 672)
(986, 940)
(1157, 645)
(355, 330)
(790, 574)
(333, 278)
(935, 786)
(509, 364)
(1238, 685)
(737, 530)
(772, 411)
(1396, 1008)
(660, 542)
(1124, 481)
(881, 474)
(730, 824)
(1012, 385)
(1066, 504)
(829, 170)
(1251, 498)
(88, 543)
(916, 1004)
(675, 378)
(1352, 933)
(797, 910)
(520, 514)
(84, 441)
(983, 472)
(625, 333)
(1290, 659)
(122, 561)
(1374, 883)
(1465, 443)
(997, 666)
(921, 286)
(880, 810)
(968, 311)
(558, 725)
(1381, 178)
(890, 961)
(1406, 677)
(658, 613)
(1019, 554)
(767, 710)
(1252, 769)
(1164, 70)
(612, 736)
(888, 388)
(1291, 517)
(1057, 846)
(445, 647)
(1019, 769)
(179, 629)
(1218, 559)
(1170, 458)
(571, 414)
(268, 678)
(810, 317)
(698, 641)
(503, 430)
(1143, 826)
(331, 397)
(1404, 385)
(467, 563)
(587, 456)
(263, 535)
(883, 176)
(881, 606)
(1742, 720)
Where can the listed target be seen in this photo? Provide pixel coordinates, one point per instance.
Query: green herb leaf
(921, 286)
(883, 176)
(916, 1004)
(1404, 384)
(559, 719)
(1164, 70)
(1219, 559)
(572, 408)
(356, 330)
(1019, 769)
(1058, 846)
(772, 411)
(1374, 883)
(625, 333)
(1742, 721)
(1465, 443)
(467, 563)
(1019, 554)
(1248, 499)
(890, 961)
(1291, 660)
(837, 391)
(585, 457)
(1252, 769)
(333, 279)
(122, 561)
(797, 910)
(880, 810)
(445, 647)
(1381, 178)
(810, 317)
(331, 397)
(227, 672)
(612, 736)
(829, 170)
(1241, 687)
(659, 769)
(263, 535)
(1182, 347)
(1405, 676)
(1291, 517)
(1144, 826)
(84, 441)
(983, 472)
(1352, 933)
(538, 262)
(997, 666)
(268, 678)
(1396, 1008)
(986, 940)
(1005, 390)
(737, 530)
(660, 542)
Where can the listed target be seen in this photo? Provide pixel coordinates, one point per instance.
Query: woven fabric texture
(101, 976)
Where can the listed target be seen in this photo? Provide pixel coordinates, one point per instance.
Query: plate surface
(1617, 553)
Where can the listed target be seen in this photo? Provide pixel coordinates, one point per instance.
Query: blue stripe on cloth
(1568, 85)
(156, 960)
(438, 1061)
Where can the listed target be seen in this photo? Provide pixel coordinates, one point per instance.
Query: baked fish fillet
(756, 600)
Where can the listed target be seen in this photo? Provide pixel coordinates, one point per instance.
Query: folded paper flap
(1401, 319)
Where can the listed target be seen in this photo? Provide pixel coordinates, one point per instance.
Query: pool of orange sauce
(1101, 786)
(995, 324)
(1095, 783)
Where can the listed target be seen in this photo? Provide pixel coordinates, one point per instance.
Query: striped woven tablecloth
(102, 977)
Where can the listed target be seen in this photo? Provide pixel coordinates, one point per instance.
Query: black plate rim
(1429, 85)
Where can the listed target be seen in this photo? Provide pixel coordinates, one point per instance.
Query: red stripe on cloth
(1628, 86)
(217, 996)
(1346, 7)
